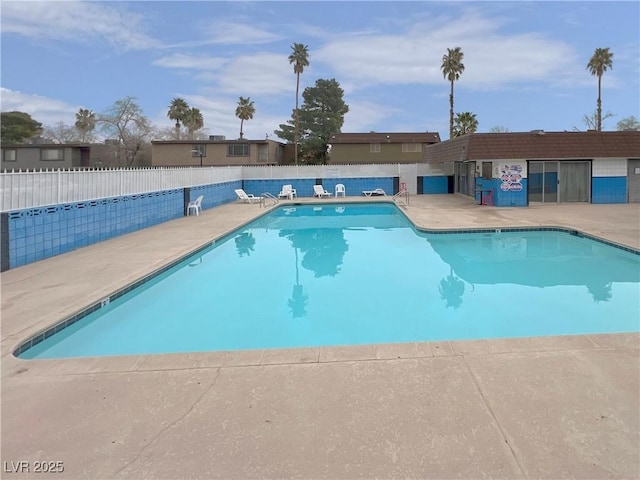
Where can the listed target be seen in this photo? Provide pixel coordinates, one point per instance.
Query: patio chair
(320, 192)
(287, 192)
(246, 197)
(374, 193)
(195, 205)
(340, 190)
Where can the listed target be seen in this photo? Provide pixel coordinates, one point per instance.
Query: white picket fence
(36, 188)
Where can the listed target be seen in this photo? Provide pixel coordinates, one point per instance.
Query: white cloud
(491, 58)
(47, 111)
(73, 20)
(193, 62)
(239, 33)
(364, 115)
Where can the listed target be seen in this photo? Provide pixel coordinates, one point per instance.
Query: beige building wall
(215, 154)
(362, 153)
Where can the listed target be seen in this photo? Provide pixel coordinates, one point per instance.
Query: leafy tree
(17, 127)
(178, 110)
(85, 123)
(321, 115)
(244, 111)
(465, 122)
(300, 59)
(193, 120)
(601, 60)
(125, 123)
(452, 67)
(628, 123)
(62, 133)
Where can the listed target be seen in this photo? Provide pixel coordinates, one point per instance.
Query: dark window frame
(244, 150)
(59, 159)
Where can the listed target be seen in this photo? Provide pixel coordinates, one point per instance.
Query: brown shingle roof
(378, 137)
(536, 145)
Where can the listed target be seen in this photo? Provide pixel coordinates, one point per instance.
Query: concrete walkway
(552, 407)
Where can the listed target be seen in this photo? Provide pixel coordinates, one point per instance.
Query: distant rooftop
(385, 137)
(536, 144)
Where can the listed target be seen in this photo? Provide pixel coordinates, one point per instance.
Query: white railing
(27, 189)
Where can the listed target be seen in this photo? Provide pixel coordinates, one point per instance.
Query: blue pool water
(359, 274)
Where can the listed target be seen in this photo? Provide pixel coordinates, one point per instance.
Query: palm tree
(193, 120)
(244, 111)
(598, 64)
(178, 110)
(465, 122)
(452, 67)
(300, 59)
(85, 122)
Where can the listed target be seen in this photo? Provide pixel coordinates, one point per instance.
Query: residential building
(174, 153)
(45, 156)
(373, 147)
(515, 169)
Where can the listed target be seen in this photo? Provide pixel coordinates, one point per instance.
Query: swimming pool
(348, 274)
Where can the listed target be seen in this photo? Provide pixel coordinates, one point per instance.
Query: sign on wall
(511, 177)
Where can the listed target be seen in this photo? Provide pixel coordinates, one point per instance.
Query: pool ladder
(268, 200)
(398, 197)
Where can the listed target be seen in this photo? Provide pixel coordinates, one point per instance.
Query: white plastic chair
(195, 205)
(340, 190)
(287, 192)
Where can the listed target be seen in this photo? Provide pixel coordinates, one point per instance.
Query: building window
(9, 155)
(197, 150)
(411, 147)
(374, 148)
(238, 150)
(487, 168)
(51, 154)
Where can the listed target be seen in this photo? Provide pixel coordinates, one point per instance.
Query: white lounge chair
(246, 197)
(340, 190)
(287, 192)
(374, 193)
(195, 205)
(320, 192)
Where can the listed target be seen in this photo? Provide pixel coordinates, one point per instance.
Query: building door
(633, 180)
(465, 178)
(552, 182)
(543, 182)
(575, 181)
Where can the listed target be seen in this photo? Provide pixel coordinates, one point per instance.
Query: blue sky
(525, 61)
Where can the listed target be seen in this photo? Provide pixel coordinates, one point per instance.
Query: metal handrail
(268, 196)
(397, 197)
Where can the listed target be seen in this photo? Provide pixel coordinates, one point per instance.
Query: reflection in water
(323, 248)
(245, 243)
(298, 301)
(451, 290)
(531, 259)
(600, 292)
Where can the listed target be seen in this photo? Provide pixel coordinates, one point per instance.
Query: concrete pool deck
(545, 407)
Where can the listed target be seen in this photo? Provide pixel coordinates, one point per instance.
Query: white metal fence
(27, 189)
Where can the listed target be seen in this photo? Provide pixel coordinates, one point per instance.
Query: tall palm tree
(244, 111)
(178, 110)
(193, 120)
(601, 60)
(465, 122)
(85, 122)
(300, 59)
(452, 67)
